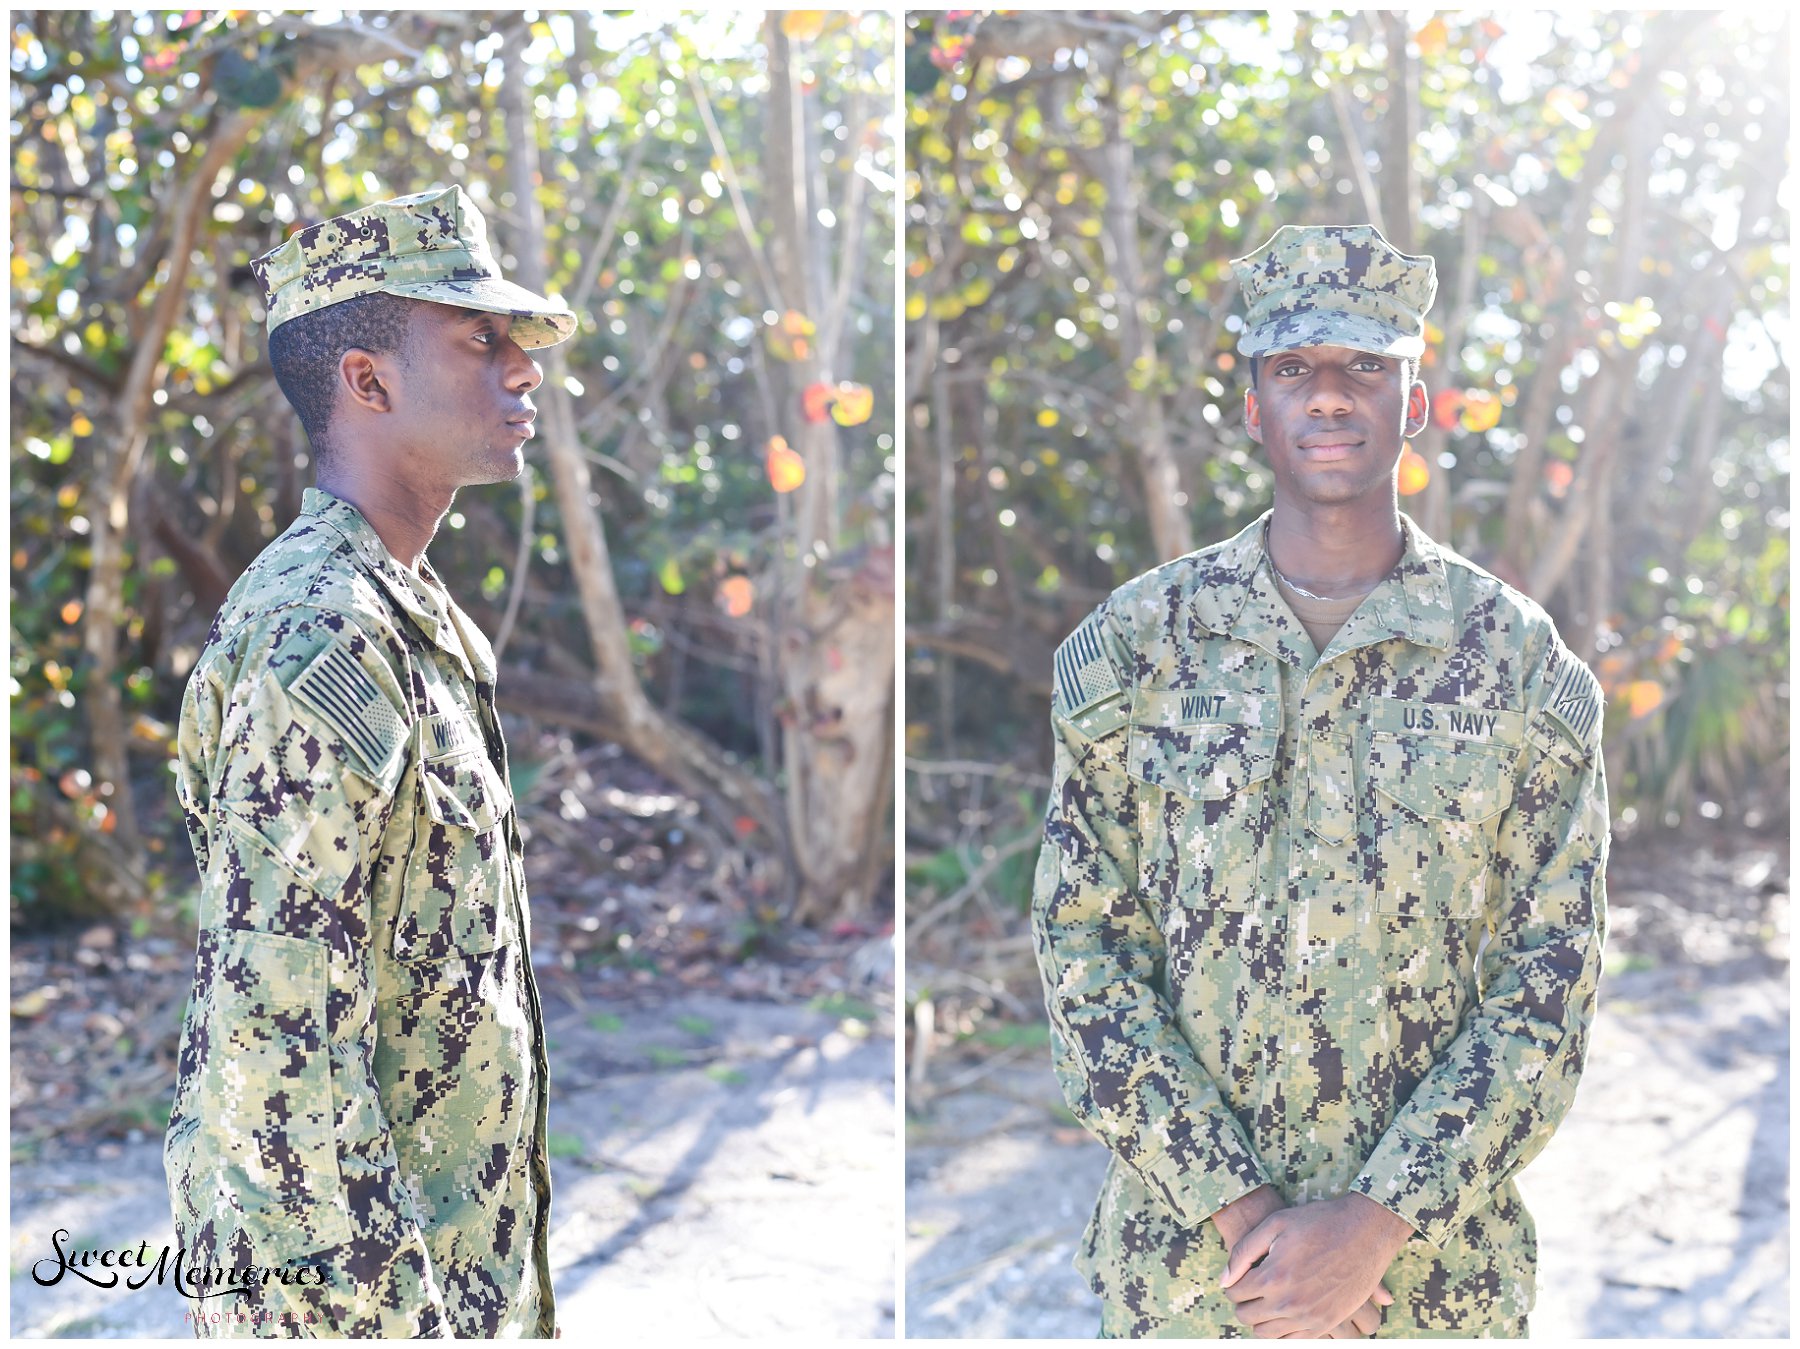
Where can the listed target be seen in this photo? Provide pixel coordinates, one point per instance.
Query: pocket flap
(465, 792)
(1207, 761)
(1442, 779)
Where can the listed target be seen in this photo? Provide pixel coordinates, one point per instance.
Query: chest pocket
(457, 872)
(1205, 817)
(1435, 806)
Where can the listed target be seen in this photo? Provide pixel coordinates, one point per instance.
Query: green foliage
(675, 395)
(1612, 179)
(566, 1145)
(843, 1007)
(1011, 1035)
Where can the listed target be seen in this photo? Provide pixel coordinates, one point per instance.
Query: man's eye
(485, 337)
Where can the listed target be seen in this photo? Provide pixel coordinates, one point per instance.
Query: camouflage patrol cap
(1334, 285)
(428, 246)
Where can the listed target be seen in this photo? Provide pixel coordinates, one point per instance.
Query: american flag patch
(1084, 676)
(1576, 702)
(337, 688)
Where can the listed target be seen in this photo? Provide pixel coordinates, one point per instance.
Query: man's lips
(526, 421)
(1332, 445)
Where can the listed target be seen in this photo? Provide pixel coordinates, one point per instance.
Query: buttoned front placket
(1319, 911)
(481, 655)
(480, 659)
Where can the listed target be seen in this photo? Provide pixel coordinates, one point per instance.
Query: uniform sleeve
(290, 760)
(1125, 1069)
(1492, 1101)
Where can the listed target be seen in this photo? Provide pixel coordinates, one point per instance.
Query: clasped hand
(1320, 1271)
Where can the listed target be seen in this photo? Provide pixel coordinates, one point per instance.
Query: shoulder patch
(1575, 702)
(1084, 676)
(340, 693)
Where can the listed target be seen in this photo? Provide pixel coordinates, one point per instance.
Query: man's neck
(1335, 550)
(404, 518)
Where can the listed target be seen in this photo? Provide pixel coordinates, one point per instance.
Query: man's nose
(523, 374)
(1329, 394)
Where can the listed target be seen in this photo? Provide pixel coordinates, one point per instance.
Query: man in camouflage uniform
(1321, 898)
(362, 1083)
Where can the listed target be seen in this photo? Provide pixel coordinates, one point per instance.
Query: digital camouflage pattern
(1327, 922)
(429, 246)
(362, 1081)
(1334, 285)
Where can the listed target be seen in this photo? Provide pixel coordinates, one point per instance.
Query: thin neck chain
(1299, 589)
(1302, 590)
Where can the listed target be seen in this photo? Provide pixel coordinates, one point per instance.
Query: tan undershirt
(1320, 618)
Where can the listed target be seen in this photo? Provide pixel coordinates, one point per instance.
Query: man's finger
(1254, 1311)
(1381, 1297)
(1366, 1318)
(1251, 1247)
(1284, 1328)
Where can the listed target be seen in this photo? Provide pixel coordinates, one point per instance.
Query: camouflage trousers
(1121, 1323)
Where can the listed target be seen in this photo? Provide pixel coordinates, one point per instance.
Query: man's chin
(499, 465)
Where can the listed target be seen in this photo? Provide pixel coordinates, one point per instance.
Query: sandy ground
(1661, 1203)
(723, 1169)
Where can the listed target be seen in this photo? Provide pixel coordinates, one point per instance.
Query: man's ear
(1252, 416)
(1418, 408)
(362, 375)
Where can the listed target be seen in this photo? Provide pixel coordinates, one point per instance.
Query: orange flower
(854, 404)
(736, 594)
(787, 470)
(815, 401)
(1481, 411)
(1414, 472)
(1643, 696)
(1446, 408)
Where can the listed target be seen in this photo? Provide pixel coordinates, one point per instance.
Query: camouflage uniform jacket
(362, 1080)
(1324, 924)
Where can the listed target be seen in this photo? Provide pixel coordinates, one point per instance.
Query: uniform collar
(1238, 598)
(435, 614)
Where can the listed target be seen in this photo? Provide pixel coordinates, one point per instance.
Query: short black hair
(304, 353)
(1409, 367)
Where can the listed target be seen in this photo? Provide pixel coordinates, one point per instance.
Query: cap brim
(537, 322)
(1329, 328)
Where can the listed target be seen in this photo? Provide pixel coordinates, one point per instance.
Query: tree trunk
(1170, 525)
(838, 668)
(118, 457)
(1400, 132)
(724, 790)
(1434, 503)
(833, 621)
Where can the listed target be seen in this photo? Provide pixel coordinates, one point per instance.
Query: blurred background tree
(705, 573)
(1607, 197)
